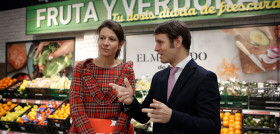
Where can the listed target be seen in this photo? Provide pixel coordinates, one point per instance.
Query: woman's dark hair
(173, 29)
(117, 28)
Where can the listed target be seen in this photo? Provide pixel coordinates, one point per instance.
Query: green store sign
(77, 15)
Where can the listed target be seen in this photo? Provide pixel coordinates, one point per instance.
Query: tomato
(17, 56)
(20, 77)
(26, 77)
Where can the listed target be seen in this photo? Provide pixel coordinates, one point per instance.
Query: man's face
(163, 48)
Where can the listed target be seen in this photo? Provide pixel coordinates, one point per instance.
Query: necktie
(171, 80)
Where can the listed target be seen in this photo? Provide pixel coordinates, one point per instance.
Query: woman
(90, 94)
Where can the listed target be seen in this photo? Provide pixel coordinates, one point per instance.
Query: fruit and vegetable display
(5, 107)
(5, 82)
(38, 114)
(233, 87)
(18, 110)
(142, 88)
(231, 121)
(62, 112)
(259, 121)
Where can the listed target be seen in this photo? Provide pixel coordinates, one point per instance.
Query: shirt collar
(183, 63)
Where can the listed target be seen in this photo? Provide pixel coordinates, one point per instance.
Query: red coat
(91, 96)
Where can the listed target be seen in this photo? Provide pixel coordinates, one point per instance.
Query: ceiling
(14, 4)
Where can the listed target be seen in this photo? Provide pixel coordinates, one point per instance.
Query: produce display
(38, 114)
(5, 82)
(61, 113)
(5, 107)
(231, 121)
(259, 121)
(18, 110)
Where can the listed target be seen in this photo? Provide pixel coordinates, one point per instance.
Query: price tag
(23, 101)
(22, 128)
(38, 94)
(62, 95)
(4, 99)
(37, 102)
(58, 125)
(14, 100)
(244, 103)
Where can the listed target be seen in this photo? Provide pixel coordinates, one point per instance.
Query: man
(193, 106)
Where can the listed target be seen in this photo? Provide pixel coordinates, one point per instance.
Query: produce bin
(260, 123)
(9, 124)
(59, 125)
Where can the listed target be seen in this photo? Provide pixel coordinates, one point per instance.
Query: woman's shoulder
(84, 63)
(129, 63)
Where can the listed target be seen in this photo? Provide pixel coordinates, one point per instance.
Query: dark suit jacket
(195, 102)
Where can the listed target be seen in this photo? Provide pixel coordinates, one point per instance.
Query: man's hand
(161, 113)
(124, 94)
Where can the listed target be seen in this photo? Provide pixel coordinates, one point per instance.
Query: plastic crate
(261, 131)
(59, 96)
(237, 98)
(59, 91)
(237, 104)
(259, 127)
(232, 111)
(37, 90)
(9, 124)
(39, 96)
(59, 125)
(25, 127)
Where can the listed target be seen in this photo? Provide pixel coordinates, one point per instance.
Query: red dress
(91, 96)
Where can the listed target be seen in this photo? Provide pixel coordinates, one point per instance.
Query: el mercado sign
(88, 14)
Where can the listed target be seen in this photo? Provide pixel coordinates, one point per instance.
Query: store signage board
(89, 14)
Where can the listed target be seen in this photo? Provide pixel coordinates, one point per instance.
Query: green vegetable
(56, 65)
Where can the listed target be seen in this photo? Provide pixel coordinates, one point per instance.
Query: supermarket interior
(238, 40)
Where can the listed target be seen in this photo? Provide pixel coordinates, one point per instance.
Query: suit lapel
(164, 83)
(183, 78)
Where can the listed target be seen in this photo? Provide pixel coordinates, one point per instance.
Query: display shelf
(31, 101)
(246, 111)
(12, 132)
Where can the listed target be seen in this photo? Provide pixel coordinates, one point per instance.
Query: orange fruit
(225, 123)
(231, 124)
(9, 103)
(237, 122)
(231, 117)
(237, 114)
(225, 118)
(7, 108)
(231, 132)
(221, 115)
(231, 120)
(238, 118)
(237, 131)
(237, 127)
(231, 128)
(227, 114)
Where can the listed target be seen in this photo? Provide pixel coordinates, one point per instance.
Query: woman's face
(108, 43)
